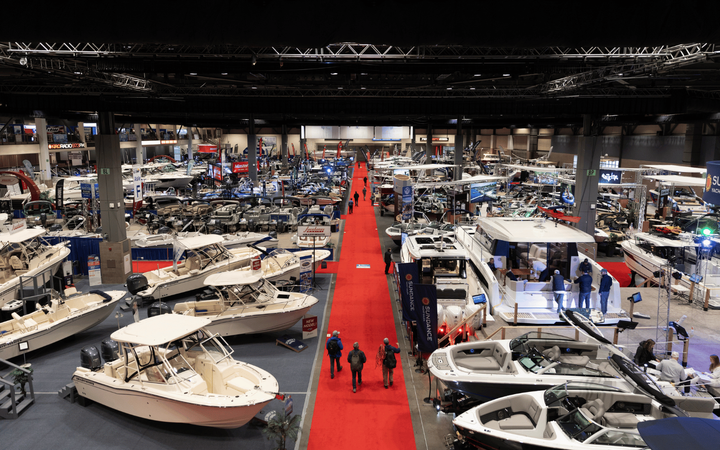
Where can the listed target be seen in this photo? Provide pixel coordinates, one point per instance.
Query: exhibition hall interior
(305, 225)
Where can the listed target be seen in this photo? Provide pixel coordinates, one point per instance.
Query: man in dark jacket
(559, 289)
(335, 356)
(356, 366)
(604, 291)
(350, 206)
(544, 275)
(365, 181)
(357, 198)
(585, 282)
(364, 193)
(385, 369)
(388, 260)
(585, 267)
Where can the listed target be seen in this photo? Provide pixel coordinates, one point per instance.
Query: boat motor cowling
(158, 308)
(109, 350)
(136, 283)
(90, 358)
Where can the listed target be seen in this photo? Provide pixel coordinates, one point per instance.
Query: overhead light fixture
(477, 75)
(253, 87)
(254, 60)
(23, 61)
(193, 73)
(449, 89)
(333, 73)
(472, 88)
(506, 74)
(362, 87)
(77, 73)
(340, 87)
(224, 73)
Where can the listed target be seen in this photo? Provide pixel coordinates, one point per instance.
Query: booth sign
(314, 231)
(309, 326)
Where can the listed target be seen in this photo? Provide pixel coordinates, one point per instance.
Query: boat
(247, 304)
(442, 261)
(204, 255)
(569, 416)
(172, 369)
(25, 253)
(527, 247)
(56, 320)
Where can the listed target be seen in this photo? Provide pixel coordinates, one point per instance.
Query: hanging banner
(426, 306)
(305, 273)
(59, 191)
(137, 183)
(610, 176)
(407, 202)
(217, 173)
(712, 183)
(178, 251)
(408, 277)
(204, 148)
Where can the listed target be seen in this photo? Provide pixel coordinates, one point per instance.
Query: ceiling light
(472, 89)
(363, 73)
(477, 75)
(449, 89)
(193, 73)
(77, 73)
(340, 87)
(254, 60)
(224, 73)
(362, 87)
(254, 87)
(506, 74)
(333, 73)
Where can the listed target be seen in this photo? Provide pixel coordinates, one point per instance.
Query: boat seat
(478, 362)
(555, 354)
(240, 384)
(621, 420)
(516, 422)
(16, 264)
(594, 410)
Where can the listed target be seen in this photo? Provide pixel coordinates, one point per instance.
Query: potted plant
(280, 427)
(20, 377)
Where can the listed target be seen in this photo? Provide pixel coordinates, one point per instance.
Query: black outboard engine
(136, 283)
(109, 350)
(158, 308)
(217, 231)
(55, 227)
(90, 358)
(164, 230)
(98, 230)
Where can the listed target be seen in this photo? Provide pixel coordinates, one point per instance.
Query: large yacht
(527, 247)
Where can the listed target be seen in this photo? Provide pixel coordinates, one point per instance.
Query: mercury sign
(610, 176)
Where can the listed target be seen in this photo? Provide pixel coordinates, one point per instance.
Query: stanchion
(429, 398)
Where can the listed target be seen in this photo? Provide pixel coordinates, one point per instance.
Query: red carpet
(332, 267)
(147, 266)
(373, 418)
(619, 270)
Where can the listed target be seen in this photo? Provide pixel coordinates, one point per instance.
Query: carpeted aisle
(373, 418)
(619, 270)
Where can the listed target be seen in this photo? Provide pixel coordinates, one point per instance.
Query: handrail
(4, 361)
(6, 382)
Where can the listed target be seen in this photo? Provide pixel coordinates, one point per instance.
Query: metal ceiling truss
(673, 58)
(344, 51)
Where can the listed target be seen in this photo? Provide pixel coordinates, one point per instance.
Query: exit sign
(592, 173)
(104, 171)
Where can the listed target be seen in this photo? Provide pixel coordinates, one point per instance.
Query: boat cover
(680, 433)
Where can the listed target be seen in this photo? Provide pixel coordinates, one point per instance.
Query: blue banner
(712, 183)
(427, 327)
(408, 278)
(610, 176)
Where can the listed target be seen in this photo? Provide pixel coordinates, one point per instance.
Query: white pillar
(44, 157)
(139, 154)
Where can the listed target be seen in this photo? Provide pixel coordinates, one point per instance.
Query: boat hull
(65, 328)
(487, 442)
(9, 290)
(236, 325)
(146, 405)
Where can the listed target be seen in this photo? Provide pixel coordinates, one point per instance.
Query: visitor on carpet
(388, 361)
(388, 260)
(334, 347)
(356, 358)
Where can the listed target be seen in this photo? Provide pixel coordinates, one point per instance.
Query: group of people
(357, 359)
(585, 281)
(672, 371)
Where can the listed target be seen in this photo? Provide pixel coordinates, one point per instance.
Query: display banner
(59, 199)
(217, 173)
(712, 183)
(94, 275)
(427, 324)
(408, 276)
(321, 231)
(137, 183)
(610, 176)
(305, 273)
(407, 202)
(204, 148)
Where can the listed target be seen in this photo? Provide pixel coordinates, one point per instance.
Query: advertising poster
(408, 276)
(305, 273)
(427, 326)
(59, 191)
(407, 202)
(610, 176)
(137, 184)
(94, 270)
(712, 183)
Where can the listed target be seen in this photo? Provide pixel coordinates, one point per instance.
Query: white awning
(21, 236)
(537, 168)
(200, 241)
(158, 330)
(234, 277)
(676, 168)
(678, 180)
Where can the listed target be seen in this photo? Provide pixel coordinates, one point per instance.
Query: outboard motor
(158, 308)
(55, 227)
(164, 230)
(98, 230)
(217, 231)
(109, 350)
(136, 283)
(90, 358)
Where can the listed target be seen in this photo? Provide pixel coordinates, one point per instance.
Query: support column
(586, 178)
(532, 143)
(115, 263)
(44, 157)
(693, 142)
(81, 136)
(284, 147)
(428, 143)
(459, 150)
(189, 135)
(252, 151)
(139, 154)
(413, 143)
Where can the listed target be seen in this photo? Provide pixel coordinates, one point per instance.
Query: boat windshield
(519, 344)
(260, 292)
(157, 365)
(538, 364)
(556, 394)
(214, 346)
(577, 426)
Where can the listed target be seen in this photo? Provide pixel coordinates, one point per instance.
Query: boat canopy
(161, 329)
(200, 241)
(232, 278)
(525, 230)
(21, 236)
(537, 168)
(678, 180)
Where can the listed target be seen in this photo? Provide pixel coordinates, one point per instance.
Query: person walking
(356, 358)
(350, 206)
(389, 362)
(585, 282)
(334, 347)
(388, 260)
(357, 198)
(364, 193)
(365, 180)
(558, 289)
(605, 285)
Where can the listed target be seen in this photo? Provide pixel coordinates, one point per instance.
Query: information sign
(314, 231)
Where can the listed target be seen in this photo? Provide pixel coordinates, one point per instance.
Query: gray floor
(58, 424)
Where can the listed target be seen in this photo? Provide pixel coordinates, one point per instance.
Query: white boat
(570, 416)
(24, 253)
(442, 261)
(246, 304)
(310, 242)
(243, 238)
(58, 320)
(530, 245)
(204, 255)
(171, 369)
(280, 266)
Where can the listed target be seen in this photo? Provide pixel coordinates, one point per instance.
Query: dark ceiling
(219, 63)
